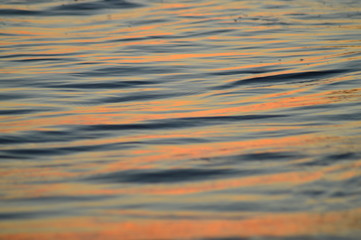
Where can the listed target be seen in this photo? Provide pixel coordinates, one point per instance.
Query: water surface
(162, 119)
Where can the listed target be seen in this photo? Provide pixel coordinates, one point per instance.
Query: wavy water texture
(184, 119)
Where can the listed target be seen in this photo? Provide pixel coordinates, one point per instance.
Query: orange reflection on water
(287, 179)
(162, 156)
(168, 57)
(277, 225)
(164, 109)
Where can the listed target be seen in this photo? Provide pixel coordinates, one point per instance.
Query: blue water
(183, 119)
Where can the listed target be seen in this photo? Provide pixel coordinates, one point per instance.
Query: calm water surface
(187, 119)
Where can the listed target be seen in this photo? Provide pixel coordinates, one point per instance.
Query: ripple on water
(180, 119)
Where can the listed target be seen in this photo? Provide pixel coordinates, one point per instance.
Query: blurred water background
(180, 119)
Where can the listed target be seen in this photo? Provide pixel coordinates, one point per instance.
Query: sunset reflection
(180, 120)
(269, 225)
